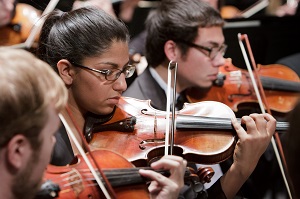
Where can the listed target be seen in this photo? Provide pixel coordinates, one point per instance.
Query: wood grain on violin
(280, 83)
(137, 132)
(76, 181)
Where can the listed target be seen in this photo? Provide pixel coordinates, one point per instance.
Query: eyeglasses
(111, 74)
(212, 52)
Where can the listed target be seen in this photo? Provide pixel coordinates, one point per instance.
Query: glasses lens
(214, 51)
(129, 70)
(112, 75)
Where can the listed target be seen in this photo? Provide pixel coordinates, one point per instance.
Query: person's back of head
(177, 20)
(81, 33)
(28, 87)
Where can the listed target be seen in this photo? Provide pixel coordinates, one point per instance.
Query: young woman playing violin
(194, 39)
(88, 49)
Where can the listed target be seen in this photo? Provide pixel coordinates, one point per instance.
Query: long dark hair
(81, 33)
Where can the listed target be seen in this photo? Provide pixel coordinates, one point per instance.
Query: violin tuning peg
(205, 174)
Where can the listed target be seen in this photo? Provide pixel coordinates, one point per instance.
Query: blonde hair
(27, 87)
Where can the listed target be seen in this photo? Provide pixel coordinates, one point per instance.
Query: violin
(20, 26)
(76, 181)
(234, 87)
(136, 130)
(229, 12)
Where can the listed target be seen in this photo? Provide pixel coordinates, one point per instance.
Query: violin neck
(123, 177)
(279, 84)
(213, 123)
(131, 176)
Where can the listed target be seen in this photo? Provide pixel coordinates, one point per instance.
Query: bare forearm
(233, 180)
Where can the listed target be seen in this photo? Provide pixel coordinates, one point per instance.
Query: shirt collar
(161, 82)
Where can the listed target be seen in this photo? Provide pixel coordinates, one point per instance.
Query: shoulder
(141, 86)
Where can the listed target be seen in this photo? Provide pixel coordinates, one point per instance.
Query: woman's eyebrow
(114, 65)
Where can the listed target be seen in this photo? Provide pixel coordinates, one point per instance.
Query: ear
(171, 50)
(18, 151)
(65, 71)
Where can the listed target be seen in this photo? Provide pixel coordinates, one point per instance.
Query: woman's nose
(120, 83)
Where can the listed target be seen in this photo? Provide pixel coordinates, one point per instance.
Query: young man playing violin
(190, 33)
(32, 95)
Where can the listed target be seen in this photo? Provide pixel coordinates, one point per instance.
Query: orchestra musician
(99, 41)
(92, 59)
(194, 39)
(32, 95)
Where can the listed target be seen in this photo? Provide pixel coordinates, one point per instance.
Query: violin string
(69, 181)
(61, 177)
(89, 179)
(105, 192)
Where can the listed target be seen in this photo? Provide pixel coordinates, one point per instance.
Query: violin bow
(256, 7)
(245, 37)
(169, 137)
(112, 194)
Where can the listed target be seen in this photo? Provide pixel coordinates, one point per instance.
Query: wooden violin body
(203, 134)
(280, 83)
(76, 181)
(229, 12)
(18, 30)
(143, 141)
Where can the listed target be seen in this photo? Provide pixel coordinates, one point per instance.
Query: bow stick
(245, 37)
(170, 137)
(81, 151)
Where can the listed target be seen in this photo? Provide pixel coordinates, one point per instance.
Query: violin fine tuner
(49, 190)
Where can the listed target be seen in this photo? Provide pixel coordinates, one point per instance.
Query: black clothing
(292, 61)
(62, 152)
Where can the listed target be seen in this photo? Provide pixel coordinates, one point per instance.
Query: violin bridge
(236, 77)
(150, 142)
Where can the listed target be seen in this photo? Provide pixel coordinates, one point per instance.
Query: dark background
(272, 39)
